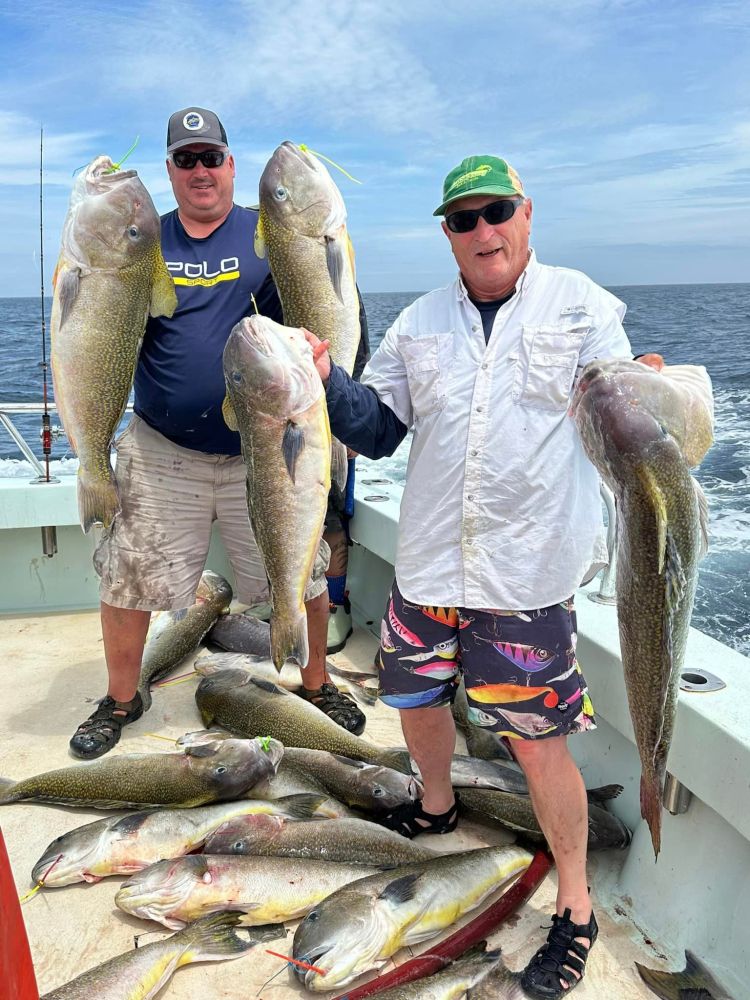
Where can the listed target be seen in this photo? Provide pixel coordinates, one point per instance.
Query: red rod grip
(17, 979)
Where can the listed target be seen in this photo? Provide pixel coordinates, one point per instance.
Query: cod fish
(473, 772)
(121, 845)
(110, 276)
(352, 840)
(452, 982)
(142, 973)
(372, 787)
(198, 775)
(173, 635)
(267, 890)
(302, 228)
(499, 984)
(275, 399)
(250, 706)
(515, 812)
(695, 982)
(361, 926)
(241, 633)
(643, 429)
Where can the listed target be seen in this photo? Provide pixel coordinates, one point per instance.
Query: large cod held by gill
(643, 430)
(110, 276)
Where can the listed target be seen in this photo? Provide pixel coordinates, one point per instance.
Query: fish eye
(313, 916)
(236, 378)
(221, 769)
(378, 791)
(134, 232)
(237, 846)
(280, 193)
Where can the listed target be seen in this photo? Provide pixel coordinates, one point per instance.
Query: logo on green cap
(472, 175)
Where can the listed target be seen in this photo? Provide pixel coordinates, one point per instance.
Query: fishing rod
(49, 532)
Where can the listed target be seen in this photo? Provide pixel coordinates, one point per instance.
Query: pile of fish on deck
(283, 805)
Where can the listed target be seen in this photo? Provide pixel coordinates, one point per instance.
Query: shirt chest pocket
(546, 364)
(427, 362)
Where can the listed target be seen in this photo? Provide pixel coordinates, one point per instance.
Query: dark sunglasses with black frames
(493, 214)
(186, 159)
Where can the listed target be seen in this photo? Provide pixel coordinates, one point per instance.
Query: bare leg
(430, 735)
(339, 552)
(124, 632)
(314, 675)
(559, 799)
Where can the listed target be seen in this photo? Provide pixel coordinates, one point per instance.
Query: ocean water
(698, 324)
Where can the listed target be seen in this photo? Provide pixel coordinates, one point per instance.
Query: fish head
(270, 368)
(387, 788)
(111, 221)
(74, 856)
(237, 835)
(231, 766)
(344, 936)
(162, 889)
(214, 688)
(298, 193)
(213, 589)
(626, 412)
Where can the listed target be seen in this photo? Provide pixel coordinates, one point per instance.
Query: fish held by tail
(98, 499)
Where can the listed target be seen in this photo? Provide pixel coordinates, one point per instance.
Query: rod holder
(676, 797)
(49, 540)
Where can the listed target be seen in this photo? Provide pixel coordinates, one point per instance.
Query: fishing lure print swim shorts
(520, 670)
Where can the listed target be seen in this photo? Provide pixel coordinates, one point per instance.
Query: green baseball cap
(480, 175)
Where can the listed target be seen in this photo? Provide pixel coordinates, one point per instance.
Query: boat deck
(54, 670)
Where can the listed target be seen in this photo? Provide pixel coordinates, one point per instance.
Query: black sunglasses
(186, 159)
(493, 214)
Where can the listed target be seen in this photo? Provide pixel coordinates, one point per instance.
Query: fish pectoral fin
(230, 417)
(163, 296)
(654, 493)
(702, 518)
(402, 889)
(68, 280)
(292, 445)
(336, 261)
(259, 241)
(603, 794)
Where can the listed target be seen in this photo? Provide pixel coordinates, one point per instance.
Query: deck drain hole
(376, 482)
(377, 497)
(695, 678)
(700, 680)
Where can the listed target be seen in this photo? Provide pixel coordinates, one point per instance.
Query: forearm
(360, 419)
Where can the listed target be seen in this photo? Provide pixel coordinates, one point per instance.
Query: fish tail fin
(217, 937)
(289, 641)
(144, 690)
(303, 805)
(651, 807)
(694, 981)
(398, 760)
(98, 499)
(6, 784)
(339, 464)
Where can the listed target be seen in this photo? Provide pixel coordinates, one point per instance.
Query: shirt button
(485, 365)
(475, 329)
(470, 496)
(474, 452)
(479, 409)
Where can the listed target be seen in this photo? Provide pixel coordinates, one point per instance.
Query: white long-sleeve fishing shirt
(501, 507)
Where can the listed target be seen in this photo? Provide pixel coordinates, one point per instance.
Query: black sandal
(404, 818)
(101, 731)
(338, 706)
(559, 959)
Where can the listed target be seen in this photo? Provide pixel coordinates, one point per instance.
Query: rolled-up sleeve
(386, 375)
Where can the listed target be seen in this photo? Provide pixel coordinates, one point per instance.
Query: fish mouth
(306, 975)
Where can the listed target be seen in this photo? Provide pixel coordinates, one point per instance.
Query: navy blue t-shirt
(179, 382)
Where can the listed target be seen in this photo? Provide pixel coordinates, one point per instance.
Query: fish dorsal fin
(654, 492)
(201, 750)
(266, 685)
(230, 417)
(292, 445)
(67, 284)
(163, 296)
(604, 794)
(350, 762)
(259, 240)
(703, 517)
(336, 262)
(402, 889)
(132, 823)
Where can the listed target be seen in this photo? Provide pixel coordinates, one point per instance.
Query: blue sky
(628, 121)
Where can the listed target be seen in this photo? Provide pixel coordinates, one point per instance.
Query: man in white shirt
(499, 522)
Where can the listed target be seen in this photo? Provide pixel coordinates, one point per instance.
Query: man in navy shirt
(179, 466)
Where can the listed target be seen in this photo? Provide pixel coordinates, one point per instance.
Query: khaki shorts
(152, 557)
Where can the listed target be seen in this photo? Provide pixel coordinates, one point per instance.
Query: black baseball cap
(194, 125)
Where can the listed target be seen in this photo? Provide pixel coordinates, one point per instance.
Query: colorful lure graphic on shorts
(444, 650)
(446, 616)
(528, 658)
(502, 694)
(442, 670)
(530, 723)
(401, 630)
(385, 639)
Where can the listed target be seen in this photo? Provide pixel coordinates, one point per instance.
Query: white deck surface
(54, 670)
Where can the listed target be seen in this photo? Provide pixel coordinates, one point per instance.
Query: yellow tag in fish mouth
(306, 149)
